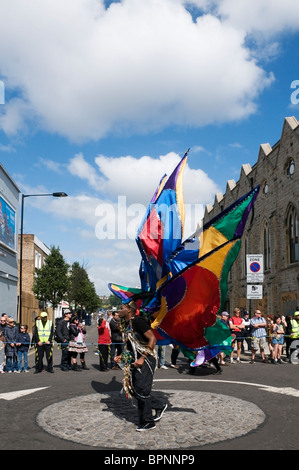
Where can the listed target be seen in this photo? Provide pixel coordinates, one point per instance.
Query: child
(23, 343)
(11, 353)
(2, 352)
(277, 339)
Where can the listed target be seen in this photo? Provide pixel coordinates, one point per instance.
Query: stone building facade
(273, 229)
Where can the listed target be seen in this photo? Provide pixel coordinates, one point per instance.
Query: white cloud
(7, 148)
(51, 165)
(102, 228)
(137, 178)
(83, 71)
(79, 167)
(265, 16)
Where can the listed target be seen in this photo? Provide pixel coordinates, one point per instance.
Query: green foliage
(51, 280)
(114, 301)
(82, 291)
(55, 281)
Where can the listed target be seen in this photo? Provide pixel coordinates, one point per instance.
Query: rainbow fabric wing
(186, 305)
(161, 230)
(185, 283)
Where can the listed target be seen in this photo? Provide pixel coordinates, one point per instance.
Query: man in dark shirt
(140, 342)
(116, 339)
(64, 337)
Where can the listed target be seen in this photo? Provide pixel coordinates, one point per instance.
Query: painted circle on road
(109, 420)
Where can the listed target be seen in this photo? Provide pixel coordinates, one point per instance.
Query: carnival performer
(139, 361)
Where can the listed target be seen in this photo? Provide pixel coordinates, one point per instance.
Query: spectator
(236, 324)
(63, 335)
(23, 344)
(174, 355)
(161, 352)
(3, 323)
(277, 339)
(117, 345)
(247, 330)
(11, 352)
(2, 352)
(269, 319)
(258, 325)
(294, 335)
(43, 343)
(104, 341)
(295, 326)
(288, 331)
(109, 316)
(224, 319)
(77, 345)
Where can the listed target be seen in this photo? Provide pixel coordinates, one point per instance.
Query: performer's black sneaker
(146, 427)
(159, 413)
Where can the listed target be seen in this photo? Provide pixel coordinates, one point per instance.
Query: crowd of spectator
(275, 338)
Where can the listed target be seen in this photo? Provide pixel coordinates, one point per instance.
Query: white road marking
(19, 393)
(267, 388)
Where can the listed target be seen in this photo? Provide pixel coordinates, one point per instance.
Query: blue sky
(103, 98)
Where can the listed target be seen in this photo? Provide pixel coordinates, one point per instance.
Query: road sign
(255, 268)
(254, 291)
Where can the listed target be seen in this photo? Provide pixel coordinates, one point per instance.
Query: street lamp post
(59, 194)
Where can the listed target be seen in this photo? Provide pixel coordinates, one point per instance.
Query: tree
(81, 291)
(114, 301)
(93, 301)
(51, 280)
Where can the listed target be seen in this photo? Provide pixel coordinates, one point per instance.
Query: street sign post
(254, 291)
(255, 268)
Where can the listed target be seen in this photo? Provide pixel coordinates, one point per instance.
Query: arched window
(266, 247)
(291, 168)
(293, 236)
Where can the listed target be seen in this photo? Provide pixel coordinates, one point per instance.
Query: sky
(100, 99)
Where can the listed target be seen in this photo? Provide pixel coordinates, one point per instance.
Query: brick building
(273, 231)
(34, 254)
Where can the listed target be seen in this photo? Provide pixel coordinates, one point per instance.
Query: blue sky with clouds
(103, 98)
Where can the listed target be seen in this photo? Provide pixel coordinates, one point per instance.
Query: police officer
(295, 326)
(42, 339)
(294, 346)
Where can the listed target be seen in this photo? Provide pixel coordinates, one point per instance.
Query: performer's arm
(151, 339)
(150, 346)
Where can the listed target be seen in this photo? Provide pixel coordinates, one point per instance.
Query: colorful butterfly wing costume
(184, 283)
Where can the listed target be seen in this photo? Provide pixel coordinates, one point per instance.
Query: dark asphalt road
(272, 388)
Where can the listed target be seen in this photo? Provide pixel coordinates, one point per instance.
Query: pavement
(248, 406)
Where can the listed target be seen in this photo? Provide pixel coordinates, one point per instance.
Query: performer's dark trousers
(104, 353)
(39, 355)
(142, 381)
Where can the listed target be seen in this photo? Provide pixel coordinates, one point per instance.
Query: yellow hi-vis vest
(295, 329)
(44, 330)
